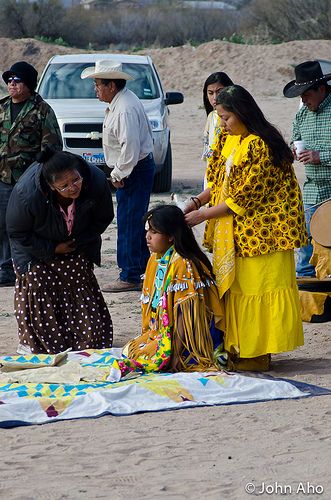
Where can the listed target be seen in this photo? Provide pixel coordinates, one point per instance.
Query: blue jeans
(303, 268)
(6, 266)
(132, 204)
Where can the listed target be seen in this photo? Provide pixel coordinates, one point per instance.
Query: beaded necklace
(159, 276)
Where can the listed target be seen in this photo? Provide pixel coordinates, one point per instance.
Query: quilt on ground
(79, 386)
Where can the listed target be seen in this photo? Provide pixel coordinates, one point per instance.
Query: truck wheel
(162, 180)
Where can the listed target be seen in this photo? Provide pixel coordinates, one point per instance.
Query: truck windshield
(63, 81)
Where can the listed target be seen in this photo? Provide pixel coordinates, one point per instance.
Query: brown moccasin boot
(121, 286)
(257, 364)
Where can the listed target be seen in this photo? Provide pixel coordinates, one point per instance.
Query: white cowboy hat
(109, 70)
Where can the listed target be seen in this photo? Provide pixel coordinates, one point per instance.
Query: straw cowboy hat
(109, 70)
(307, 74)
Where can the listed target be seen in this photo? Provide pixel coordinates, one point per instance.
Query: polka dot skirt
(59, 304)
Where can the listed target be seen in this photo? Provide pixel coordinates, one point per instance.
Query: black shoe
(7, 278)
(7, 283)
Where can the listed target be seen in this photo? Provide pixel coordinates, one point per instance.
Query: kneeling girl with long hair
(180, 302)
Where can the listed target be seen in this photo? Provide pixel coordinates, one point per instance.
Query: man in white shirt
(128, 145)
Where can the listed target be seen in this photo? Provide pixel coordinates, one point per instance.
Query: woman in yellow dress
(254, 222)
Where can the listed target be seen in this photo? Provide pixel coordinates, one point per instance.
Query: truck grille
(80, 142)
(83, 127)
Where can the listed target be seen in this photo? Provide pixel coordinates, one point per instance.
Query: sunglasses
(15, 79)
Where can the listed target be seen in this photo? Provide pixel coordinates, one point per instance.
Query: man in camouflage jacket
(27, 125)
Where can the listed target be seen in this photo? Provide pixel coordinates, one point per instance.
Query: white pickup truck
(80, 114)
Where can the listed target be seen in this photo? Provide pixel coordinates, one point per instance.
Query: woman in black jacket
(55, 217)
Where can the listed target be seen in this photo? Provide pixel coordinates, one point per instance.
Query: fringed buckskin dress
(174, 292)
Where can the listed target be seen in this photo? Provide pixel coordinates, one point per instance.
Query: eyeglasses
(14, 79)
(76, 182)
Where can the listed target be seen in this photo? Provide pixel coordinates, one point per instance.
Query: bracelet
(196, 201)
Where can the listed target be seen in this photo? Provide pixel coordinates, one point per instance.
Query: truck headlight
(156, 124)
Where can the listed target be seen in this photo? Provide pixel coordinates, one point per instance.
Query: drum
(320, 225)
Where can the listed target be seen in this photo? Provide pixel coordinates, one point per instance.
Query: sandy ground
(209, 453)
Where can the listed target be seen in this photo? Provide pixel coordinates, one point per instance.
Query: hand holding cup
(299, 147)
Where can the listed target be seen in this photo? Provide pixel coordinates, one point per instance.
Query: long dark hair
(54, 163)
(218, 77)
(170, 220)
(237, 100)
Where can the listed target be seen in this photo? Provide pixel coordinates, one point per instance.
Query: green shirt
(314, 128)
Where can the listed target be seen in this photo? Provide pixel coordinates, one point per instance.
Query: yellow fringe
(148, 350)
(197, 338)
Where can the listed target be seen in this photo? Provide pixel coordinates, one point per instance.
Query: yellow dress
(262, 309)
(255, 271)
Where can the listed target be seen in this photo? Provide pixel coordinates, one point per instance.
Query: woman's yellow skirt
(262, 306)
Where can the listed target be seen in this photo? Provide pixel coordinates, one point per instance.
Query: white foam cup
(299, 147)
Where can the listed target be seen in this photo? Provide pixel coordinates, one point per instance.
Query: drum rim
(325, 241)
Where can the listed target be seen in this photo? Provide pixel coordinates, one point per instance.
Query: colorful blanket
(36, 389)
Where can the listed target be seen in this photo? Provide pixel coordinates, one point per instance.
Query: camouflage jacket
(35, 126)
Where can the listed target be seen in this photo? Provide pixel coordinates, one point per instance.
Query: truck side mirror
(173, 98)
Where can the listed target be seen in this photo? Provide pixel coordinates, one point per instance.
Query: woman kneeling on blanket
(180, 302)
